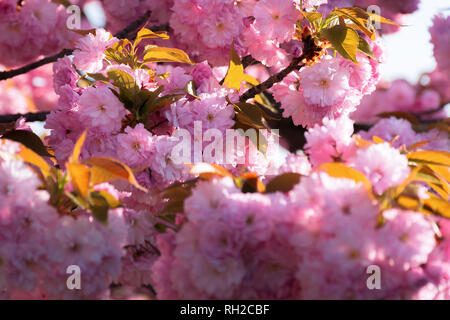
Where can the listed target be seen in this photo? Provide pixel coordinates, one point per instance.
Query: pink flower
(90, 50)
(401, 95)
(330, 142)
(101, 109)
(135, 145)
(63, 74)
(324, 84)
(212, 110)
(383, 165)
(407, 237)
(276, 19)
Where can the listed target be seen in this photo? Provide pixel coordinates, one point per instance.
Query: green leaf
(99, 207)
(312, 17)
(235, 74)
(358, 16)
(250, 114)
(29, 140)
(345, 40)
(122, 79)
(283, 183)
(364, 47)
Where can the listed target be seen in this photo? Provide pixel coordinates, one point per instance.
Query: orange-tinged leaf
(438, 206)
(163, 54)
(33, 158)
(77, 148)
(361, 142)
(439, 190)
(252, 183)
(418, 145)
(408, 203)
(441, 171)
(377, 18)
(106, 169)
(430, 157)
(249, 79)
(235, 73)
(377, 140)
(79, 176)
(283, 183)
(339, 170)
(207, 170)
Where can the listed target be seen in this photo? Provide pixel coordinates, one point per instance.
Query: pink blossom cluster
(39, 245)
(332, 88)
(424, 101)
(34, 28)
(316, 242)
(313, 241)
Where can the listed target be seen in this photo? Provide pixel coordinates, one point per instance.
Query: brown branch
(263, 86)
(310, 53)
(120, 35)
(30, 117)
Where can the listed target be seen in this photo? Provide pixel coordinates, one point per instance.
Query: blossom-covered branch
(65, 52)
(310, 51)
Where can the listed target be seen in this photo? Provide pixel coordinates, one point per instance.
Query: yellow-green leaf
(365, 48)
(312, 17)
(145, 33)
(345, 40)
(99, 206)
(163, 54)
(122, 79)
(235, 74)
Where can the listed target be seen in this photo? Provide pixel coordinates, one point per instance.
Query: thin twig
(65, 52)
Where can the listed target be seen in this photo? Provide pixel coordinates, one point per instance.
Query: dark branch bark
(263, 86)
(30, 117)
(310, 53)
(121, 34)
